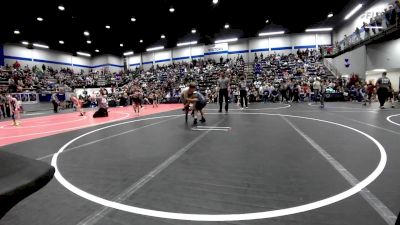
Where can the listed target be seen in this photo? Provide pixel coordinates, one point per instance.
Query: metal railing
(332, 68)
(362, 36)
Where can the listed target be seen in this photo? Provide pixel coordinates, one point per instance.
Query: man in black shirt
(383, 86)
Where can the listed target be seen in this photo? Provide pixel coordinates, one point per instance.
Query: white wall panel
(180, 52)
(384, 55)
(18, 51)
(259, 43)
(99, 60)
(280, 41)
(163, 57)
(357, 60)
(134, 61)
(148, 57)
(198, 50)
(115, 60)
(324, 39)
(305, 39)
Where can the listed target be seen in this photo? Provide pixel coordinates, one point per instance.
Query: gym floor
(271, 164)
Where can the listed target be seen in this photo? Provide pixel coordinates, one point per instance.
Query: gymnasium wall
(356, 59)
(246, 48)
(282, 44)
(39, 57)
(107, 63)
(368, 58)
(384, 55)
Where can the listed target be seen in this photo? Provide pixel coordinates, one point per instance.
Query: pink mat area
(37, 127)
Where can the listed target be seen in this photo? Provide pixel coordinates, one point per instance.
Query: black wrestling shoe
(203, 120)
(195, 122)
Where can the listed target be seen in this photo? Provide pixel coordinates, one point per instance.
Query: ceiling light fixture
(162, 36)
(61, 8)
(194, 31)
(133, 19)
(141, 41)
(121, 45)
(97, 50)
(86, 33)
(330, 15)
(108, 27)
(61, 42)
(187, 43)
(39, 19)
(128, 53)
(352, 12)
(215, 2)
(271, 33)
(226, 40)
(25, 43)
(155, 48)
(40, 45)
(83, 54)
(227, 26)
(172, 9)
(319, 29)
(89, 41)
(16, 32)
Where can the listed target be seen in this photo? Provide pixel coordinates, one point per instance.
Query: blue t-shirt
(200, 97)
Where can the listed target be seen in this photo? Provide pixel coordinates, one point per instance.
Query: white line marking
(389, 119)
(213, 127)
(49, 123)
(338, 111)
(282, 107)
(226, 217)
(67, 129)
(106, 138)
(209, 129)
(372, 125)
(341, 107)
(96, 216)
(375, 203)
(356, 108)
(33, 114)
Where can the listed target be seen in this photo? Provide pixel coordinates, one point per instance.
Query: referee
(383, 87)
(223, 85)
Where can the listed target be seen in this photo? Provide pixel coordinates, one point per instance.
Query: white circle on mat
(224, 217)
(389, 119)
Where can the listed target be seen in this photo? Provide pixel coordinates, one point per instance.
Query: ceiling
(153, 18)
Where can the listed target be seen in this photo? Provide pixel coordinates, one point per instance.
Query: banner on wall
(222, 47)
(371, 12)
